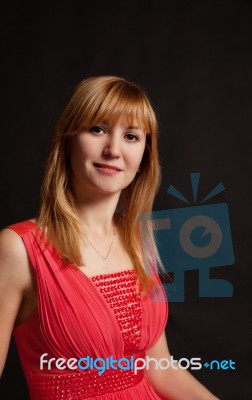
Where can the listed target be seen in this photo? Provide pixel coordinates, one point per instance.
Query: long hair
(96, 99)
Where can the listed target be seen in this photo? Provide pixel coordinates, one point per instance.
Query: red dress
(78, 316)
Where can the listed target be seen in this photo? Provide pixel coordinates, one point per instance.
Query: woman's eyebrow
(107, 124)
(135, 127)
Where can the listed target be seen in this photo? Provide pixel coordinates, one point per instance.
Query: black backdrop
(194, 60)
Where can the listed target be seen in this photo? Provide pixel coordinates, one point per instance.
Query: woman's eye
(96, 129)
(131, 137)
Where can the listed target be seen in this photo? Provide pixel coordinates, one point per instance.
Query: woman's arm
(15, 278)
(174, 384)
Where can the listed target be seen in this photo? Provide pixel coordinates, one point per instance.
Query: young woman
(80, 283)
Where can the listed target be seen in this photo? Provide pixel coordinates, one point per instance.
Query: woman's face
(105, 157)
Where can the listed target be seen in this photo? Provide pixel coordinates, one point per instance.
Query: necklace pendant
(95, 249)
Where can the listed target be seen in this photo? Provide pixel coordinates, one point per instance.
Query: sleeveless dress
(85, 318)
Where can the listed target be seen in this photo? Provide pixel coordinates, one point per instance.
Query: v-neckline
(34, 225)
(84, 279)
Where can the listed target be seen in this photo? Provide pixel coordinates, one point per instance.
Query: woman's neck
(97, 215)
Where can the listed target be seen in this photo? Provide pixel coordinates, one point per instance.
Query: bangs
(115, 101)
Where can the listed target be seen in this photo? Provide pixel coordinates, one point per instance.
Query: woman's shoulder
(13, 255)
(22, 227)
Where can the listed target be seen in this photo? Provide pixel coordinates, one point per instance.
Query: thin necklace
(99, 254)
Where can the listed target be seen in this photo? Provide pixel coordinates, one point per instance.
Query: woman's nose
(112, 147)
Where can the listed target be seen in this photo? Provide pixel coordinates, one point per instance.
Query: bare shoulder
(15, 281)
(14, 262)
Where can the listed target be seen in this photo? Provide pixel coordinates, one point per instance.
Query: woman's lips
(107, 169)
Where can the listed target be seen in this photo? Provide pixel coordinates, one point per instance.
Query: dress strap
(22, 227)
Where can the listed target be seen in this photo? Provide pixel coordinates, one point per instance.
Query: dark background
(194, 60)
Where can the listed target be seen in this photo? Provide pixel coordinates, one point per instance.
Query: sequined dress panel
(78, 317)
(120, 291)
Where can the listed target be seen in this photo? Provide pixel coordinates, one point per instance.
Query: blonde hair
(96, 99)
